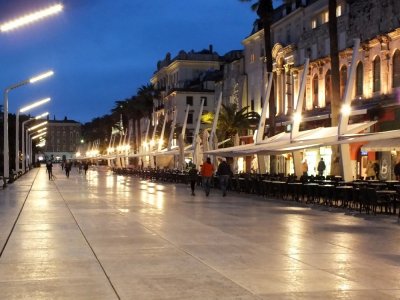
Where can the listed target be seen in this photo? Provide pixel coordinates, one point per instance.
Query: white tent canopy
(383, 145)
(281, 142)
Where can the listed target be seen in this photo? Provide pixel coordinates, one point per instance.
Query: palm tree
(264, 10)
(334, 56)
(232, 121)
(335, 77)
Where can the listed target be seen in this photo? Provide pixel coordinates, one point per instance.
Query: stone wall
(370, 18)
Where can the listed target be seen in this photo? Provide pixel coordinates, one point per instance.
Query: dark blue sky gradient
(103, 50)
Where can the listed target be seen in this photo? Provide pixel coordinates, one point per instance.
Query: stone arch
(396, 69)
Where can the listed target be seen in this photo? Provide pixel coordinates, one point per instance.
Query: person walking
(85, 167)
(49, 168)
(193, 178)
(305, 167)
(68, 166)
(321, 167)
(224, 172)
(370, 172)
(207, 171)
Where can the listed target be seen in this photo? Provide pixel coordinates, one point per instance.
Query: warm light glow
(37, 126)
(297, 117)
(33, 105)
(110, 150)
(152, 143)
(77, 154)
(39, 135)
(41, 130)
(41, 76)
(30, 18)
(346, 109)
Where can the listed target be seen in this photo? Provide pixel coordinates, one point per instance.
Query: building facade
(184, 80)
(62, 139)
(300, 30)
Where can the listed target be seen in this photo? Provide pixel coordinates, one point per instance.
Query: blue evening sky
(103, 50)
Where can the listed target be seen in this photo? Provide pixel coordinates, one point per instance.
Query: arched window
(315, 91)
(328, 88)
(376, 86)
(396, 69)
(343, 80)
(359, 79)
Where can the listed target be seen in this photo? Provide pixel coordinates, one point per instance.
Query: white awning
(382, 145)
(281, 143)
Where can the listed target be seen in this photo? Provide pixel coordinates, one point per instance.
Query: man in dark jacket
(224, 172)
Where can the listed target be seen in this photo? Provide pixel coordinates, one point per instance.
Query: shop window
(338, 11)
(359, 79)
(205, 100)
(313, 24)
(190, 118)
(189, 100)
(396, 69)
(377, 74)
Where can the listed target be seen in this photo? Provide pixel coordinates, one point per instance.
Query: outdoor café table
(391, 183)
(359, 183)
(294, 190)
(390, 195)
(324, 182)
(378, 185)
(344, 193)
(310, 191)
(266, 184)
(278, 188)
(326, 192)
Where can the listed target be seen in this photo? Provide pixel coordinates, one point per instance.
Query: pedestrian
(370, 172)
(224, 172)
(304, 167)
(321, 167)
(79, 167)
(207, 171)
(397, 170)
(85, 167)
(68, 166)
(193, 172)
(49, 168)
(376, 169)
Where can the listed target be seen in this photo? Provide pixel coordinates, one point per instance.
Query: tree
(335, 77)
(264, 10)
(232, 121)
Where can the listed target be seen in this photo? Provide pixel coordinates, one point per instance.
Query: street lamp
(25, 137)
(6, 155)
(33, 135)
(30, 18)
(24, 109)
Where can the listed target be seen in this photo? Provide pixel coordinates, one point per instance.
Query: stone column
(289, 89)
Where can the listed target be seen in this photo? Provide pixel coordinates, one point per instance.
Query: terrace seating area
(364, 196)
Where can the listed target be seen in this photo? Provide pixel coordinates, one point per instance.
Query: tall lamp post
(24, 146)
(22, 110)
(8, 26)
(29, 139)
(6, 163)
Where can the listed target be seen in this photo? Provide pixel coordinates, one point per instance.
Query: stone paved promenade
(109, 237)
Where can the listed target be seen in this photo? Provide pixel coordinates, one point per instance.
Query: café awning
(382, 145)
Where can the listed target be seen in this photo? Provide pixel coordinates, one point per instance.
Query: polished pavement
(103, 236)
